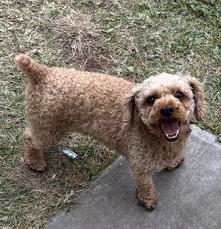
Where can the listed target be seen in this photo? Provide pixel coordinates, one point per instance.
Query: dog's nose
(167, 111)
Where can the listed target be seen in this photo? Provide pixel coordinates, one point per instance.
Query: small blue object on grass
(69, 153)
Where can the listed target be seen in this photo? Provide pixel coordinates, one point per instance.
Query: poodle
(148, 123)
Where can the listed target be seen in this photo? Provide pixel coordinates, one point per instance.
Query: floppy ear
(199, 98)
(130, 106)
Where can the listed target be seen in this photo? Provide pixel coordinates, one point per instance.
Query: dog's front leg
(146, 193)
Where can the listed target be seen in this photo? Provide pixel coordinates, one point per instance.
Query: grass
(133, 39)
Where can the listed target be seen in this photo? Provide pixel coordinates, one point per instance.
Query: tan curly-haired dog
(148, 123)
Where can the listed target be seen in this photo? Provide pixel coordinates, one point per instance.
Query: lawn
(132, 39)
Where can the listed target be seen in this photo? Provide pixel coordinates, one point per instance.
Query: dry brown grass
(82, 39)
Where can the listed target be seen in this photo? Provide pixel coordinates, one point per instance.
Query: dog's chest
(164, 155)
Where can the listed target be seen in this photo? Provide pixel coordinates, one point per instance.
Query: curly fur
(112, 110)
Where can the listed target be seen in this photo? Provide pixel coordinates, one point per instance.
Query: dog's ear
(130, 105)
(199, 98)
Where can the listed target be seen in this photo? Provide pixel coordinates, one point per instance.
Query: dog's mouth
(170, 128)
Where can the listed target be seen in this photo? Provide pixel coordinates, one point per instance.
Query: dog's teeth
(172, 137)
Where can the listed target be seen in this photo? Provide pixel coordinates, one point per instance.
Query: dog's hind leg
(33, 154)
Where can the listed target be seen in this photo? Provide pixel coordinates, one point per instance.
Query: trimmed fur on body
(112, 110)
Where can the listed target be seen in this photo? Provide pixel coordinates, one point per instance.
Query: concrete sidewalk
(188, 198)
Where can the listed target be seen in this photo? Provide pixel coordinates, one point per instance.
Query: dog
(148, 123)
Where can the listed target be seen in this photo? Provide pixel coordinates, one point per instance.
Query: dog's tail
(34, 70)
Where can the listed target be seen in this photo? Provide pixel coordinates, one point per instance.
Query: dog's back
(60, 98)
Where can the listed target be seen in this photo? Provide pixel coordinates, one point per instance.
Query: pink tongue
(170, 127)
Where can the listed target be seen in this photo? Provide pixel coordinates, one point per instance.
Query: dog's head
(166, 104)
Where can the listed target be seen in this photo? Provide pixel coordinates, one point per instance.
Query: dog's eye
(178, 95)
(150, 100)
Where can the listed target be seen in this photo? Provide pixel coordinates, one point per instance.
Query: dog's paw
(37, 167)
(176, 164)
(149, 206)
(149, 202)
(36, 163)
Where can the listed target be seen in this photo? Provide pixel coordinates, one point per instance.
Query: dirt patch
(80, 40)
